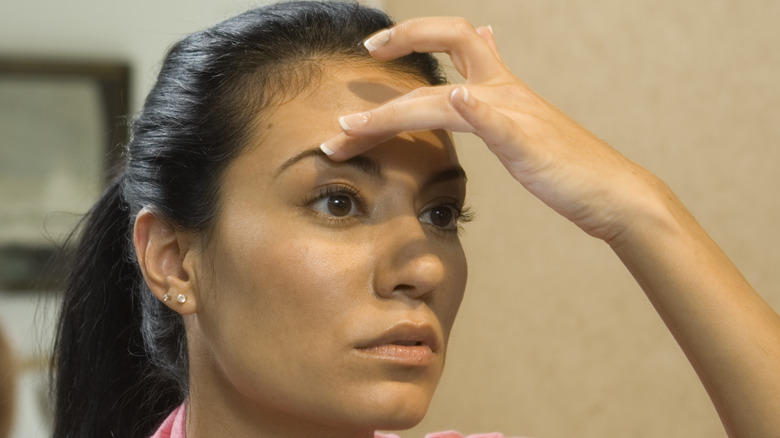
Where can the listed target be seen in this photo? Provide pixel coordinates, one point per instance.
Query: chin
(394, 421)
(399, 410)
(404, 417)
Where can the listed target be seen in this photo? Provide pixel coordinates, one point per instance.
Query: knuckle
(460, 26)
(386, 115)
(404, 26)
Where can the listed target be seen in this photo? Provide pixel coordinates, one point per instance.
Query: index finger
(470, 53)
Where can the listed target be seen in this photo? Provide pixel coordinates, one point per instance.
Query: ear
(165, 257)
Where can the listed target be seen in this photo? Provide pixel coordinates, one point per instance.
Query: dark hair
(120, 359)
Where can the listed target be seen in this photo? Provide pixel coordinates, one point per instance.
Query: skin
(729, 333)
(286, 288)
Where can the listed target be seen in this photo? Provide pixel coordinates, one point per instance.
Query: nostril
(412, 269)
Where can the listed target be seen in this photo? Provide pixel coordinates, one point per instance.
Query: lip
(404, 343)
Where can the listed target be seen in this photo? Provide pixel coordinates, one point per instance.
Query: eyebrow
(371, 167)
(449, 174)
(364, 164)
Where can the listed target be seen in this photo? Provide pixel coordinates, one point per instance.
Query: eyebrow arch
(452, 173)
(371, 167)
(364, 164)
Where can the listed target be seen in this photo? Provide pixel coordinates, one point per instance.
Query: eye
(442, 216)
(338, 204)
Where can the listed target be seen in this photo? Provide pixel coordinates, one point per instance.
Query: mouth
(408, 343)
(405, 343)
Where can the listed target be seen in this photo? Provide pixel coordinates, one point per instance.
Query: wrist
(652, 213)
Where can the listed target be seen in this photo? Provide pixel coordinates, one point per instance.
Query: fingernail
(463, 94)
(353, 121)
(327, 150)
(466, 96)
(378, 40)
(490, 28)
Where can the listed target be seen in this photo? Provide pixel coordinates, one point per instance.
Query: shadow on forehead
(374, 91)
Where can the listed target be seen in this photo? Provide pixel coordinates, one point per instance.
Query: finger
(470, 53)
(405, 115)
(499, 132)
(343, 147)
(486, 32)
(365, 130)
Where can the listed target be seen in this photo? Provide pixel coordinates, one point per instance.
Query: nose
(407, 261)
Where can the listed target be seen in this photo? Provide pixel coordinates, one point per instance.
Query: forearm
(729, 333)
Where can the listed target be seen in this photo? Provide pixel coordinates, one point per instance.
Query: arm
(730, 335)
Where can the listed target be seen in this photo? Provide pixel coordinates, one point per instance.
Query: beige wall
(554, 338)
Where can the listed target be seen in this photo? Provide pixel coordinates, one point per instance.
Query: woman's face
(327, 291)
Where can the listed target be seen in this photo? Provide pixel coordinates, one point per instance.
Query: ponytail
(103, 385)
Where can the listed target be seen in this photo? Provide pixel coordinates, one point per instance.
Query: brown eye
(336, 204)
(339, 205)
(442, 216)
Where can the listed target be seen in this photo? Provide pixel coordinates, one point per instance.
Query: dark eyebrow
(371, 167)
(364, 164)
(452, 173)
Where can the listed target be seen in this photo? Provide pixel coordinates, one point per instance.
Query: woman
(235, 281)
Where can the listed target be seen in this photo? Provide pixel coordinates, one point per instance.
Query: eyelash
(464, 213)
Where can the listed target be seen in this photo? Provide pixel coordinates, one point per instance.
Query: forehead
(311, 117)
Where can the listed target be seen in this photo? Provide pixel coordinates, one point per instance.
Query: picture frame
(63, 124)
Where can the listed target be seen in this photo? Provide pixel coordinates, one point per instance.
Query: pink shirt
(174, 427)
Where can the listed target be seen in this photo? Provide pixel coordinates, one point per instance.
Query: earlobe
(161, 252)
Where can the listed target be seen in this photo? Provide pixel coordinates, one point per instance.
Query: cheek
(281, 304)
(320, 279)
(447, 303)
(290, 281)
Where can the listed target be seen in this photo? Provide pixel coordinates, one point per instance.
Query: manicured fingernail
(466, 96)
(327, 150)
(353, 121)
(463, 94)
(378, 40)
(490, 28)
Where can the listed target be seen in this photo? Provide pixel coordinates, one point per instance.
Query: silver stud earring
(166, 298)
(181, 299)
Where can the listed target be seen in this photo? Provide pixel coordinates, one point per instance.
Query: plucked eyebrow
(364, 164)
(449, 174)
(372, 167)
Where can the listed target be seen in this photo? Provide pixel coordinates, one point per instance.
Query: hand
(555, 158)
